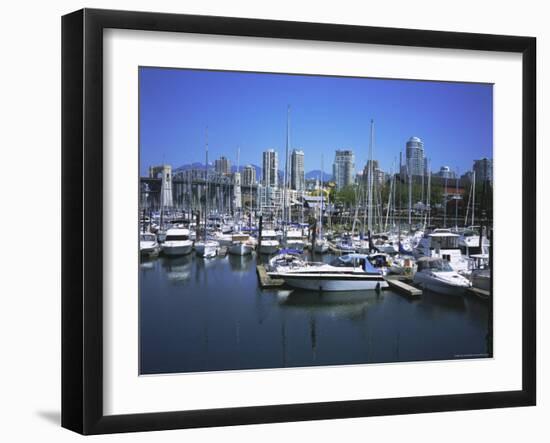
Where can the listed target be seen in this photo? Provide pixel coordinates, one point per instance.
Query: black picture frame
(82, 190)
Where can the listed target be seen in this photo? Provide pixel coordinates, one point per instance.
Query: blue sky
(248, 110)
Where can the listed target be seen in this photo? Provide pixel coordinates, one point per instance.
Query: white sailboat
(321, 243)
(241, 244)
(206, 248)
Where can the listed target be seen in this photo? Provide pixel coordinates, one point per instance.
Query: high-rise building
(222, 165)
(445, 172)
(237, 200)
(343, 168)
(270, 168)
(484, 170)
(297, 174)
(415, 156)
(377, 174)
(249, 175)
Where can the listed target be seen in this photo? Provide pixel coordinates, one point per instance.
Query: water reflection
(240, 263)
(177, 269)
(336, 304)
(213, 316)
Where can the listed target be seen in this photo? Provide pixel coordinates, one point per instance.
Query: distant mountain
(187, 167)
(316, 173)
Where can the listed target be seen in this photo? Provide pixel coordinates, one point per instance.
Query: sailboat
(321, 243)
(206, 248)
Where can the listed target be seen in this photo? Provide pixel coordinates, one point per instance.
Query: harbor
(253, 266)
(200, 314)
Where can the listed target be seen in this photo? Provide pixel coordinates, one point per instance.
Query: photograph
(298, 220)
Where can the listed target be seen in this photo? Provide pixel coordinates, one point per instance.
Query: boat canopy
(355, 260)
(289, 251)
(435, 264)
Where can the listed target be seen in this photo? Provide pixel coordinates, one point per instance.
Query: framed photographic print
(269, 221)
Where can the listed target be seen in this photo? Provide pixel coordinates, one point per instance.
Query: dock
(480, 293)
(265, 280)
(404, 288)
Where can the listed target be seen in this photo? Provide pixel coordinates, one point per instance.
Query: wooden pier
(402, 287)
(265, 280)
(480, 293)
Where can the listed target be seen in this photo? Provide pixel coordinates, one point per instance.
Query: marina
(213, 314)
(256, 267)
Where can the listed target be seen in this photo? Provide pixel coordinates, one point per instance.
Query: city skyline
(247, 111)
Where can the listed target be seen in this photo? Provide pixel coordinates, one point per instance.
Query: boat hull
(149, 250)
(206, 250)
(179, 248)
(269, 248)
(240, 249)
(333, 283)
(439, 286)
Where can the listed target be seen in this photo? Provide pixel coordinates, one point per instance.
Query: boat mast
(409, 173)
(206, 179)
(369, 172)
(445, 197)
(285, 209)
(389, 198)
(456, 201)
(321, 208)
(473, 196)
(428, 199)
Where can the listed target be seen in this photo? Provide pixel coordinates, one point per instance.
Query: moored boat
(177, 242)
(351, 272)
(269, 243)
(148, 245)
(437, 275)
(241, 244)
(207, 248)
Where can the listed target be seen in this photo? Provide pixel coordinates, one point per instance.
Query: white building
(343, 168)
(249, 175)
(415, 156)
(270, 168)
(297, 173)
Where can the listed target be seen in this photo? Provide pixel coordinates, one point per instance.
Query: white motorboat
(148, 245)
(351, 272)
(269, 243)
(437, 275)
(177, 242)
(295, 239)
(481, 272)
(207, 249)
(469, 241)
(285, 260)
(442, 243)
(241, 244)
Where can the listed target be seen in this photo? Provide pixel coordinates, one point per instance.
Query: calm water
(210, 314)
